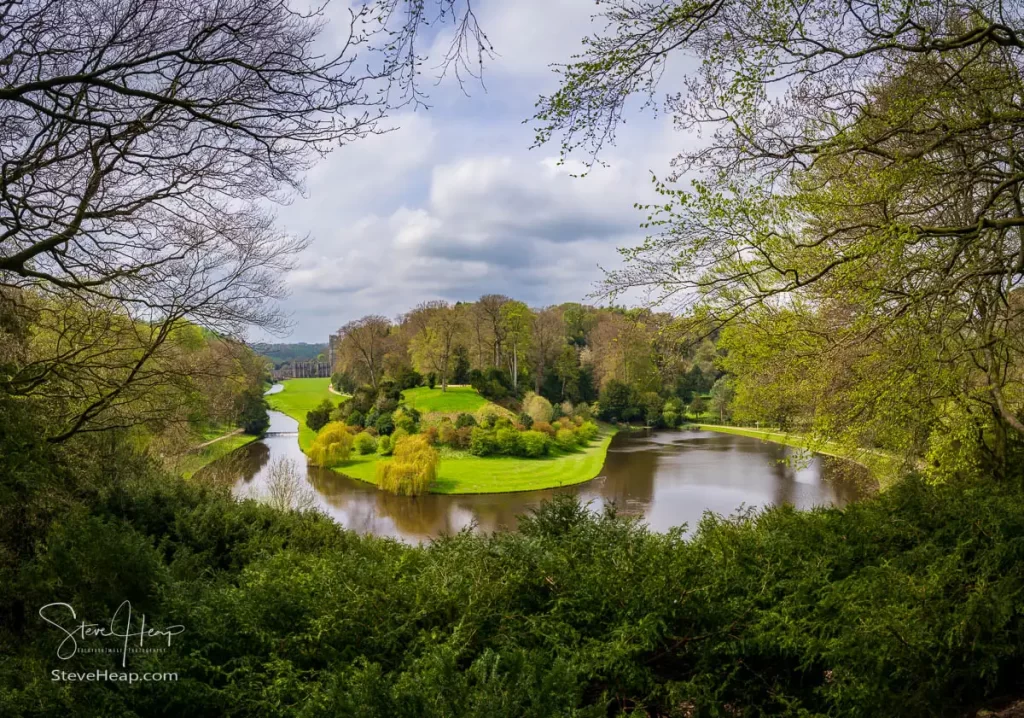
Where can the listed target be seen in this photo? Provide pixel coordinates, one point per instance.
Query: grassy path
(462, 475)
(881, 464)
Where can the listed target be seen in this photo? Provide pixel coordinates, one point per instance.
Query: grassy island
(459, 473)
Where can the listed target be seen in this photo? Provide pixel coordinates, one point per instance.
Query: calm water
(669, 477)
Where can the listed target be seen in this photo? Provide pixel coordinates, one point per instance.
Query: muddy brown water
(668, 478)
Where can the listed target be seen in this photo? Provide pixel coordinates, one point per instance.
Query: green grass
(469, 475)
(456, 399)
(298, 397)
(193, 462)
(881, 465)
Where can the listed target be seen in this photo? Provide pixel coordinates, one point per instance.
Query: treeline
(164, 386)
(637, 365)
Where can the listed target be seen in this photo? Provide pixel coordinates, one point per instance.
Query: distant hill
(285, 353)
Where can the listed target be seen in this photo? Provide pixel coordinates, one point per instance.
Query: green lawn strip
(879, 463)
(193, 462)
(471, 475)
(502, 474)
(456, 399)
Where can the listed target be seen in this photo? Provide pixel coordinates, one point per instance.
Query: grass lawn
(456, 399)
(298, 397)
(880, 464)
(469, 475)
(191, 463)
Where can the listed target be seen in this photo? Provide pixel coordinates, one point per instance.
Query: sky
(452, 204)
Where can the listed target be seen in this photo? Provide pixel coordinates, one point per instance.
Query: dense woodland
(633, 365)
(842, 254)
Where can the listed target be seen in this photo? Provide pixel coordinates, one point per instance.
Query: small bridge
(281, 433)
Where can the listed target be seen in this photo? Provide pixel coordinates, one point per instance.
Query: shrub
(355, 418)
(319, 417)
(413, 468)
(404, 418)
(670, 418)
(583, 410)
(481, 442)
(384, 446)
(564, 423)
(462, 437)
(537, 407)
(507, 440)
(463, 420)
(544, 427)
(534, 443)
(566, 439)
(398, 434)
(446, 433)
(566, 408)
(431, 380)
(526, 420)
(385, 425)
(365, 443)
(332, 445)
(588, 430)
(431, 435)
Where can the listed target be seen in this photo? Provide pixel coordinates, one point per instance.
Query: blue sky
(453, 203)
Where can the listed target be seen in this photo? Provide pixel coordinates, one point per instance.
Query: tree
(548, 339)
(460, 372)
(516, 320)
(332, 446)
(141, 143)
(567, 369)
(433, 346)
(363, 346)
(863, 168)
(319, 417)
(252, 414)
(413, 468)
(722, 394)
(490, 326)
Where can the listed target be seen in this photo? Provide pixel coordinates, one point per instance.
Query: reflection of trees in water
(629, 475)
(241, 464)
(849, 481)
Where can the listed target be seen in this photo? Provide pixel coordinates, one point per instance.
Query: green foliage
(482, 442)
(385, 425)
(507, 441)
(405, 418)
(464, 419)
(384, 446)
(365, 443)
(537, 407)
(318, 417)
(534, 443)
(588, 430)
(566, 439)
(332, 446)
(525, 419)
(413, 468)
(902, 606)
(252, 412)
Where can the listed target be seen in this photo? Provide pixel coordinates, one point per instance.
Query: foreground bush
(332, 446)
(413, 468)
(905, 606)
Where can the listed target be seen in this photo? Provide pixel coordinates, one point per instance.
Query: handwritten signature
(82, 631)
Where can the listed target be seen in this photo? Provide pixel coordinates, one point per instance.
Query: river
(667, 477)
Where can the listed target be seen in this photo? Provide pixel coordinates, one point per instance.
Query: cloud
(453, 205)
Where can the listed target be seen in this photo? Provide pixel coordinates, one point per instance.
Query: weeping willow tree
(413, 468)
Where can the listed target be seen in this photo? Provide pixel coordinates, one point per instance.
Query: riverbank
(464, 474)
(209, 451)
(881, 465)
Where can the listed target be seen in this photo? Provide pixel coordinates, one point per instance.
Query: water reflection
(669, 478)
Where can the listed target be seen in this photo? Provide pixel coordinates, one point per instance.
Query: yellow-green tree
(413, 468)
(332, 446)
